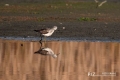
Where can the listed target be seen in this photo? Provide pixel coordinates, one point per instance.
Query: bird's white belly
(48, 34)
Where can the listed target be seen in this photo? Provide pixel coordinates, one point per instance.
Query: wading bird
(46, 31)
(47, 51)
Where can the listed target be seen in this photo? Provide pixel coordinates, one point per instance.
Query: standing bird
(47, 51)
(46, 31)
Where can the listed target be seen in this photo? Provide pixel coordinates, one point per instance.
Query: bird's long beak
(36, 30)
(58, 54)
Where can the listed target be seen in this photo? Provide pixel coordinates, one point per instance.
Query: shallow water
(93, 39)
(76, 61)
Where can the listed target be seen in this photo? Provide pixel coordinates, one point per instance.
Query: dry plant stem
(99, 5)
(103, 2)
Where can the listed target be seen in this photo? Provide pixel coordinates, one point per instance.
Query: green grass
(87, 19)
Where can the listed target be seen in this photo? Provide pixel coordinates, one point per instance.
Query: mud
(106, 31)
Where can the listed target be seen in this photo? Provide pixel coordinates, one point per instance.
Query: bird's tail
(37, 30)
(37, 52)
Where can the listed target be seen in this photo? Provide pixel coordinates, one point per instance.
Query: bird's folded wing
(44, 31)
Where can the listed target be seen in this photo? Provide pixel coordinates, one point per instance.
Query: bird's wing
(42, 52)
(44, 31)
(50, 52)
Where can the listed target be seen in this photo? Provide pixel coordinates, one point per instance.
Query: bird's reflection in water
(46, 32)
(46, 51)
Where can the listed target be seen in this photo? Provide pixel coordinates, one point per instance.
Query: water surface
(75, 61)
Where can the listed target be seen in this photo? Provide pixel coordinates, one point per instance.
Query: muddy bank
(73, 30)
(81, 20)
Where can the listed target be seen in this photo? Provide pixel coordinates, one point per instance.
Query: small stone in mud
(6, 4)
(60, 22)
(63, 27)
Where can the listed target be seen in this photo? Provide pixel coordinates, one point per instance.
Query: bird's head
(55, 27)
(55, 55)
